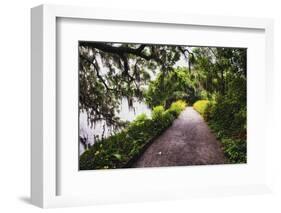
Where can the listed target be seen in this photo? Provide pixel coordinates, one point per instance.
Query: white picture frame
(44, 155)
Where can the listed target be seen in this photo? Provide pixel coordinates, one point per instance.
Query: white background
(15, 106)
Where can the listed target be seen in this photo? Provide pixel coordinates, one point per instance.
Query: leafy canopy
(167, 88)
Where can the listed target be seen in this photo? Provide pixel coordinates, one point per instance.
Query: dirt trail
(188, 141)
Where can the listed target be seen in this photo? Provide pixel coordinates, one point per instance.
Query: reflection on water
(91, 134)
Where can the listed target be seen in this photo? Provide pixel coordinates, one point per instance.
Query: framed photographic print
(130, 106)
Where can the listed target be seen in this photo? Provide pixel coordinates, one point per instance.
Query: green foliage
(235, 150)
(201, 106)
(216, 67)
(141, 118)
(229, 113)
(177, 107)
(227, 118)
(157, 112)
(169, 87)
(117, 150)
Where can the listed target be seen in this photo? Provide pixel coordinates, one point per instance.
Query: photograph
(159, 105)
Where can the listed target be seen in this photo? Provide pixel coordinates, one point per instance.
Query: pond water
(100, 128)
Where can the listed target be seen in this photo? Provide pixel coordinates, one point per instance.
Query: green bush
(157, 112)
(141, 118)
(229, 117)
(177, 107)
(235, 150)
(117, 150)
(228, 121)
(203, 107)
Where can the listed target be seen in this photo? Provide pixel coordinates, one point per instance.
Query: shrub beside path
(189, 141)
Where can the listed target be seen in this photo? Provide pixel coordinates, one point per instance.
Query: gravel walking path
(189, 141)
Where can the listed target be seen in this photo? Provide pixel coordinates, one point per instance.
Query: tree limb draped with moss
(109, 72)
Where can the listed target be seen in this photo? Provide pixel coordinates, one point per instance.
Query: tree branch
(121, 50)
(97, 72)
(189, 53)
